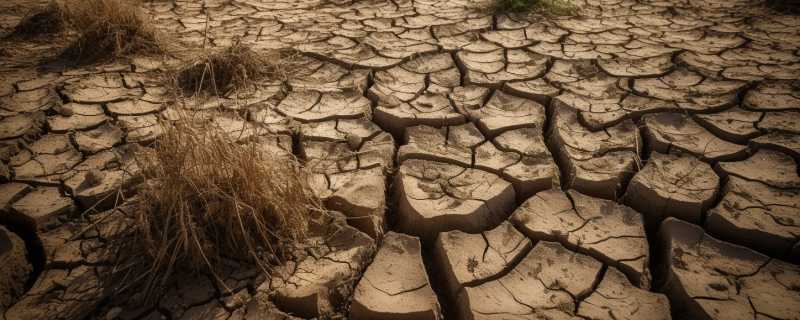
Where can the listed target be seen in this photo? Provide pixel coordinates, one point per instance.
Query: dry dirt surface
(638, 161)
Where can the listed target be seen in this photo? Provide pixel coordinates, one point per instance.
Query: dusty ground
(637, 162)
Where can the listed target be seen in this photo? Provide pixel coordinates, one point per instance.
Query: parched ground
(639, 161)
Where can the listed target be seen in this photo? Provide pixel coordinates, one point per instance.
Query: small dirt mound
(236, 66)
(108, 29)
(207, 196)
(47, 20)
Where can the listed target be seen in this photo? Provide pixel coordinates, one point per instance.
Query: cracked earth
(639, 161)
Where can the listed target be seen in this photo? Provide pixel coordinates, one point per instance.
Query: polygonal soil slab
(669, 185)
(759, 216)
(468, 260)
(45, 160)
(690, 90)
(603, 229)
(313, 106)
(395, 285)
(99, 88)
(74, 117)
(547, 283)
(15, 269)
(530, 171)
(21, 125)
(349, 160)
(706, 278)
(319, 284)
(596, 163)
(668, 132)
(489, 65)
(72, 283)
(433, 197)
(103, 179)
(773, 96)
(42, 208)
(734, 124)
(504, 112)
(615, 298)
(432, 109)
(781, 141)
(772, 168)
(407, 82)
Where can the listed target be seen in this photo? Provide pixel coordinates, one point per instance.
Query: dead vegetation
(234, 67)
(47, 20)
(108, 29)
(548, 7)
(208, 197)
(99, 29)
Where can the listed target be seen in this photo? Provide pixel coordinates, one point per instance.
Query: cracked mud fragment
(505, 112)
(15, 269)
(609, 232)
(78, 117)
(784, 142)
(760, 208)
(312, 106)
(461, 91)
(104, 179)
(774, 96)
(615, 298)
(706, 278)
(99, 88)
(489, 65)
(672, 132)
(548, 283)
(395, 285)
(45, 160)
(596, 163)
(529, 172)
(325, 271)
(468, 260)
(72, 282)
(42, 208)
(420, 92)
(434, 197)
(735, 124)
(669, 185)
(349, 160)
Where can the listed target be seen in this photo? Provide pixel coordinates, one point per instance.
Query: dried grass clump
(207, 197)
(47, 20)
(235, 67)
(554, 7)
(108, 29)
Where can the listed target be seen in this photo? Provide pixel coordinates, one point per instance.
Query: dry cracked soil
(638, 161)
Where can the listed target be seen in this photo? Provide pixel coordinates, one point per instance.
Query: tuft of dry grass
(108, 29)
(207, 196)
(234, 67)
(47, 20)
(553, 7)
